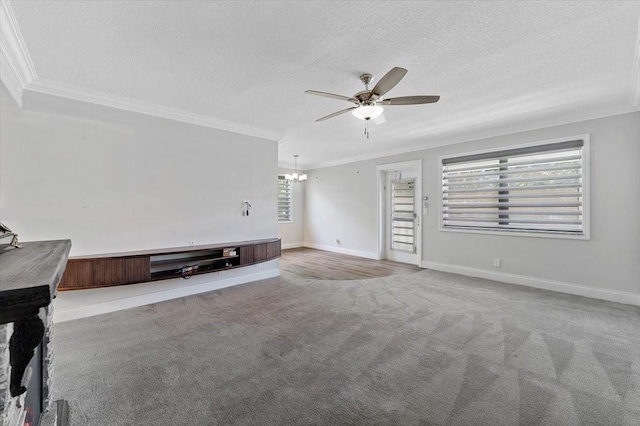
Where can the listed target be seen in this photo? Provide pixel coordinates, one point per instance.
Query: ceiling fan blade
(379, 119)
(335, 114)
(388, 82)
(332, 96)
(409, 100)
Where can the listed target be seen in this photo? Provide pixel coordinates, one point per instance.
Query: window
(538, 189)
(284, 200)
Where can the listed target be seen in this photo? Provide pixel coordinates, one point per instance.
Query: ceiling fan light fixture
(367, 112)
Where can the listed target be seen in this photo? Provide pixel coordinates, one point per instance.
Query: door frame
(382, 170)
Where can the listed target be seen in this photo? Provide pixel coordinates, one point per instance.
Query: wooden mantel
(29, 277)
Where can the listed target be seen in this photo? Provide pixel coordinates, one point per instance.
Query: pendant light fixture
(295, 177)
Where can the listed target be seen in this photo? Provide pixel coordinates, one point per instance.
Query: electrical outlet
(497, 262)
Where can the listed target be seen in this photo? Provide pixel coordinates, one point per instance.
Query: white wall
(341, 203)
(341, 208)
(292, 234)
(130, 181)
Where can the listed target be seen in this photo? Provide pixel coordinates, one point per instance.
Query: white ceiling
(499, 67)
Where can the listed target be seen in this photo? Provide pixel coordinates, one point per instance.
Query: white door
(402, 224)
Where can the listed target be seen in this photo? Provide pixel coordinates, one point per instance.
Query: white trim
(291, 246)
(365, 254)
(634, 97)
(404, 165)
(68, 91)
(586, 191)
(13, 44)
(133, 300)
(559, 286)
(586, 186)
(382, 169)
(10, 78)
(514, 233)
(16, 68)
(285, 165)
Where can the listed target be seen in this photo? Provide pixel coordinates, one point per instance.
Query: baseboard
(562, 287)
(358, 253)
(103, 300)
(292, 246)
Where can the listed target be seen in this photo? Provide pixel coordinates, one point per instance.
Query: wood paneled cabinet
(265, 251)
(178, 262)
(104, 272)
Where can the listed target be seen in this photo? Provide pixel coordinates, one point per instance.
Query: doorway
(400, 230)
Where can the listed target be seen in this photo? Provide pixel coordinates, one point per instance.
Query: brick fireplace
(28, 280)
(21, 410)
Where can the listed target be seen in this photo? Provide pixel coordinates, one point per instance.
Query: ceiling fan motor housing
(367, 108)
(363, 96)
(366, 78)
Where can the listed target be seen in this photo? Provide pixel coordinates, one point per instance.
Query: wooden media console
(151, 265)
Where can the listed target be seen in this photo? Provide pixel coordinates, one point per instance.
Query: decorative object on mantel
(295, 177)
(368, 101)
(8, 238)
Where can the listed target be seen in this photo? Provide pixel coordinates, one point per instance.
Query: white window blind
(403, 215)
(284, 200)
(530, 189)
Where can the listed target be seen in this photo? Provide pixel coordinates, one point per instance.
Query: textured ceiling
(499, 67)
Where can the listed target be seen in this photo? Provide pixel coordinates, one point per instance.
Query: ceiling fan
(368, 102)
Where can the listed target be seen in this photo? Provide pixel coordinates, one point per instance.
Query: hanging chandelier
(296, 177)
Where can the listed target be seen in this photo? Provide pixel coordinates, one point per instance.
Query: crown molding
(9, 77)
(18, 74)
(63, 90)
(476, 135)
(634, 98)
(285, 166)
(16, 69)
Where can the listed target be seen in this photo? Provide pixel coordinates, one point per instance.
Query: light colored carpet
(427, 348)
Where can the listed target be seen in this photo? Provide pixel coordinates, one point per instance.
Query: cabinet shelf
(188, 259)
(173, 273)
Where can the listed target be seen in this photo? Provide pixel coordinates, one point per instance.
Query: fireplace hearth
(29, 277)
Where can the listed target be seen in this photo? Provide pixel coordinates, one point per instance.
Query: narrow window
(403, 215)
(284, 200)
